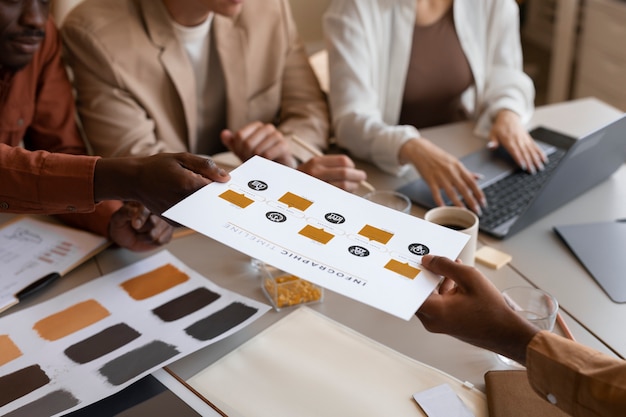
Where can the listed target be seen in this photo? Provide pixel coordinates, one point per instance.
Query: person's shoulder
(263, 8)
(100, 16)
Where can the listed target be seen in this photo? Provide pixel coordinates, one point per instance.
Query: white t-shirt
(197, 41)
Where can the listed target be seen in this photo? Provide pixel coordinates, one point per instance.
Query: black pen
(37, 285)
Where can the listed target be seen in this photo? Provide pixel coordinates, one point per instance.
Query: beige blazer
(136, 88)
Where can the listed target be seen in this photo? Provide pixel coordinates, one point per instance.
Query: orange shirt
(37, 112)
(577, 379)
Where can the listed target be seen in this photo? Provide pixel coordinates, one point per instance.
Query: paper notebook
(509, 394)
(308, 365)
(31, 248)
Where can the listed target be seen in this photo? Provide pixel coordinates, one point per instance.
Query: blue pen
(37, 285)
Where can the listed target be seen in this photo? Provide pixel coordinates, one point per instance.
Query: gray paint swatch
(185, 304)
(21, 382)
(221, 321)
(52, 403)
(101, 343)
(133, 363)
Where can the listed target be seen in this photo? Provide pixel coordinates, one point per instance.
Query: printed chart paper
(31, 249)
(321, 233)
(97, 339)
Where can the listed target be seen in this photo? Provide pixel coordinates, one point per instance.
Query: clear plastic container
(286, 290)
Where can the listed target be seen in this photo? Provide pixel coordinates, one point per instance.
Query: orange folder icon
(403, 269)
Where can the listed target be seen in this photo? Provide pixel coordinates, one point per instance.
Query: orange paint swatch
(375, 234)
(402, 268)
(154, 282)
(70, 320)
(8, 350)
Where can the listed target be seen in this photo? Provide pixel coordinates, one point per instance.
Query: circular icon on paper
(275, 216)
(358, 251)
(257, 185)
(418, 249)
(334, 218)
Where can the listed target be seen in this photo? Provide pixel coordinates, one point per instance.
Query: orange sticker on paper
(295, 201)
(403, 269)
(236, 198)
(319, 235)
(376, 234)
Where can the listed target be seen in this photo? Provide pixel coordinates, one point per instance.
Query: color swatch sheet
(321, 233)
(308, 365)
(98, 338)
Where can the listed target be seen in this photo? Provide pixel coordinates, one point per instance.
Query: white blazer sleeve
(359, 66)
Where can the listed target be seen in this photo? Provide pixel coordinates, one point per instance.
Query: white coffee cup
(461, 219)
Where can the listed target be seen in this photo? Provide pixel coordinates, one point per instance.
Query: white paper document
(31, 249)
(321, 233)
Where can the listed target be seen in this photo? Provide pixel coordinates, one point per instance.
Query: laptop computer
(515, 198)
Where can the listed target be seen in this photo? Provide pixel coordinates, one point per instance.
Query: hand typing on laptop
(445, 175)
(508, 131)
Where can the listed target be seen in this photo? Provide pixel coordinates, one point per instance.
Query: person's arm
(303, 109)
(158, 181)
(50, 183)
(507, 99)
(577, 379)
(354, 42)
(506, 86)
(53, 127)
(469, 307)
(45, 183)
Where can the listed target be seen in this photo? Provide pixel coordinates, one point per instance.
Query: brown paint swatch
(8, 350)
(101, 343)
(154, 282)
(220, 321)
(185, 304)
(52, 403)
(133, 363)
(21, 382)
(70, 320)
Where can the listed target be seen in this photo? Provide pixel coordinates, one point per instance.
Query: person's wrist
(114, 179)
(409, 150)
(522, 332)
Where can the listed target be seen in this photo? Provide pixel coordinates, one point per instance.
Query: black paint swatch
(220, 321)
(133, 363)
(101, 343)
(185, 304)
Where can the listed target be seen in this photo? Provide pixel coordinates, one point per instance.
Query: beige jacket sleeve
(577, 379)
(268, 75)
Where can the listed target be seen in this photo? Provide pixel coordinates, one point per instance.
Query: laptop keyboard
(507, 197)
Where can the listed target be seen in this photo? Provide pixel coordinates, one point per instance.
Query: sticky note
(492, 258)
(442, 401)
